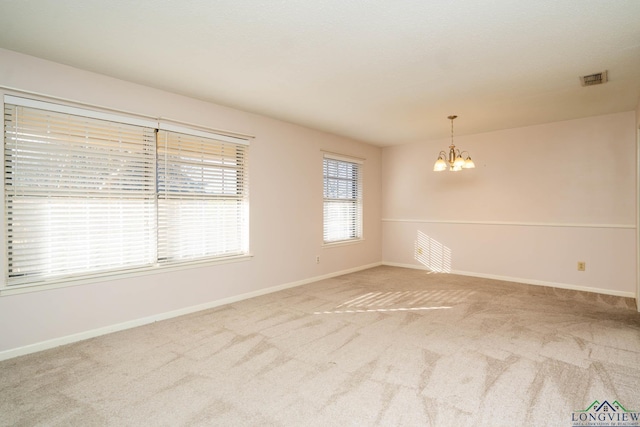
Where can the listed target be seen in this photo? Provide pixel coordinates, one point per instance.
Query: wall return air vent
(594, 79)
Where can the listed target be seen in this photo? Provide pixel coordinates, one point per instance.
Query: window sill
(342, 243)
(123, 274)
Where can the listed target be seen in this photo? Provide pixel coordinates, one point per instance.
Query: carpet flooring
(382, 347)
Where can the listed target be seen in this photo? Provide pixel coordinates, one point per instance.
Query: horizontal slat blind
(202, 197)
(342, 200)
(79, 195)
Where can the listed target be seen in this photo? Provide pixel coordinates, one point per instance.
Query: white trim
(99, 277)
(513, 223)
(342, 243)
(74, 111)
(147, 119)
(80, 104)
(56, 342)
(342, 157)
(519, 280)
(210, 134)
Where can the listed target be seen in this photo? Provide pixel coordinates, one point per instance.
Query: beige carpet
(385, 346)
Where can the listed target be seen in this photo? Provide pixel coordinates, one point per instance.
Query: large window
(342, 199)
(88, 193)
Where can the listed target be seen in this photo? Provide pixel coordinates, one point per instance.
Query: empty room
(330, 213)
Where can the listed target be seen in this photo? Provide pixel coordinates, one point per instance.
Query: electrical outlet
(419, 251)
(317, 260)
(582, 266)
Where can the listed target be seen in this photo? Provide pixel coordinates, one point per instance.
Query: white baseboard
(521, 280)
(68, 339)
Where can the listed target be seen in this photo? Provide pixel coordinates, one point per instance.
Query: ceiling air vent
(594, 79)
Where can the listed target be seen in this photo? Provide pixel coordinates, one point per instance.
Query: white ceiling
(382, 71)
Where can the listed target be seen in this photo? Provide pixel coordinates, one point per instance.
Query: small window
(342, 199)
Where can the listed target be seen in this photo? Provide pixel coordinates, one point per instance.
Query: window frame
(358, 229)
(73, 108)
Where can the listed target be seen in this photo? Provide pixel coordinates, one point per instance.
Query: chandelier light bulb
(440, 165)
(468, 164)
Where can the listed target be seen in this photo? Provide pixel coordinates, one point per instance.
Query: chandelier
(456, 160)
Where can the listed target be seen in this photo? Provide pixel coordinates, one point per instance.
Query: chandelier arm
(442, 155)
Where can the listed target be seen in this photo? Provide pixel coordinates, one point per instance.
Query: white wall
(540, 199)
(286, 214)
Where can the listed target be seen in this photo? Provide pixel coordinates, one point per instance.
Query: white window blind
(79, 195)
(90, 194)
(342, 199)
(202, 197)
